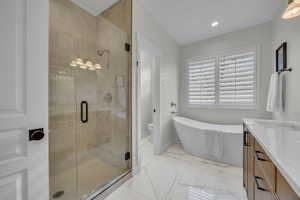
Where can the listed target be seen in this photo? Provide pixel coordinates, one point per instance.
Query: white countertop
(281, 141)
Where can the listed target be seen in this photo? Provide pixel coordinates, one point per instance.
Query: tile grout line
(151, 183)
(172, 185)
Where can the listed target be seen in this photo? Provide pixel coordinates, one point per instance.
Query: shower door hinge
(127, 47)
(127, 156)
(137, 63)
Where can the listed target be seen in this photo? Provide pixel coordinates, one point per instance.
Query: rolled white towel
(274, 103)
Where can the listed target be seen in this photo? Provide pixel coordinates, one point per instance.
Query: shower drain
(58, 194)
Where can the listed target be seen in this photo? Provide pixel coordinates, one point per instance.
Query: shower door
(102, 133)
(89, 127)
(89, 104)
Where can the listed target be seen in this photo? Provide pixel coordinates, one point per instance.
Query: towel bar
(285, 70)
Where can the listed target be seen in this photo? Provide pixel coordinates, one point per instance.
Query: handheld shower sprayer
(101, 52)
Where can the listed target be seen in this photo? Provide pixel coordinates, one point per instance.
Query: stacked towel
(275, 102)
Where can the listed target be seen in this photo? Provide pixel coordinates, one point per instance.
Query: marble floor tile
(190, 192)
(176, 175)
(124, 193)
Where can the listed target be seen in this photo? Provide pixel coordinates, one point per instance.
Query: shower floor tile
(176, 175)
(89, 174)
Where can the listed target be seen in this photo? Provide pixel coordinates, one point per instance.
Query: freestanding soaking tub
(222, 143)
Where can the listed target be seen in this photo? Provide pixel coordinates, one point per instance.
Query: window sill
(223, 107)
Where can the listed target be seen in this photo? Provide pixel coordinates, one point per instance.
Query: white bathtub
(222, 143)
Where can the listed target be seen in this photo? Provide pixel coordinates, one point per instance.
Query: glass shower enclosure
(89, 96)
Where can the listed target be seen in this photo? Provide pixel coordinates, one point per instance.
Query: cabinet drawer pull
(256, 178)
(245, 138)
(257, 156)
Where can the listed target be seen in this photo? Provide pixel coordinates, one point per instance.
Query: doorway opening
(148, 84)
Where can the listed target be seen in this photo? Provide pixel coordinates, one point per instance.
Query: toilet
(151, 130)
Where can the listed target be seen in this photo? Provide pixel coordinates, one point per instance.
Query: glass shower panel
(104, 139)
(62, 104)
(89, 91)
(62, 143)
(101, 149)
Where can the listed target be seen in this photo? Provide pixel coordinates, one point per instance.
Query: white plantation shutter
(202, 82)
(237, 79)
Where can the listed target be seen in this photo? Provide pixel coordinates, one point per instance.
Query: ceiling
(95, 7)
(188, 21)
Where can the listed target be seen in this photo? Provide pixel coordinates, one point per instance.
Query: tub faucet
(173, 104)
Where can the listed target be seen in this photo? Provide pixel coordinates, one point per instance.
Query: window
(202, 82)
(223, 81)
(237, 79)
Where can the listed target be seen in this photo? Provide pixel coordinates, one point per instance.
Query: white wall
(257, 35)
(289, 31)
(146, 93)
(144, 24)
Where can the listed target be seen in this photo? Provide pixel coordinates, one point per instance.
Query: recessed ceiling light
(215, 24)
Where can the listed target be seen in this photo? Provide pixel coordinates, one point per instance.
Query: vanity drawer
(262, 189)
(266, 165)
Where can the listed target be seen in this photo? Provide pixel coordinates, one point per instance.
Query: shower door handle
(84, 112)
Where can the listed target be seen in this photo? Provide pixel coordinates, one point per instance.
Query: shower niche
(89, 90)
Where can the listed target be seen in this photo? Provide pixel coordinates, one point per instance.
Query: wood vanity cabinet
(248, 163)
(245, 161)
(262, 180)
(283, 189)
